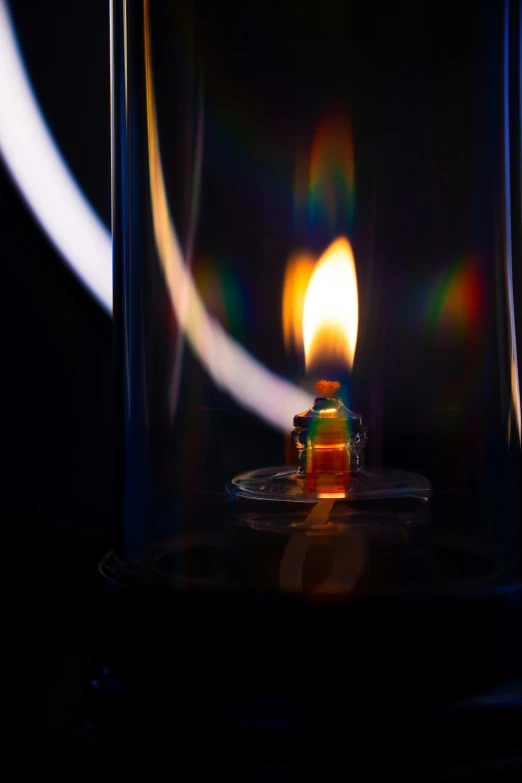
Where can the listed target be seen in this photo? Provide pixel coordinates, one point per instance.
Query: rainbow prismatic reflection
(456, 302)
(222, 293)
(324, 181)
(332, 174)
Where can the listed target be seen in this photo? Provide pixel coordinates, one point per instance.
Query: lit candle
(320, 311)
(330, 439)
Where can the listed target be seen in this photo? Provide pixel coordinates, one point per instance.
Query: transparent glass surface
(245, 144)
(288, 485)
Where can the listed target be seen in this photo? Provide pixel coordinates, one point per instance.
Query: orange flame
(298, 273)
(331, 307)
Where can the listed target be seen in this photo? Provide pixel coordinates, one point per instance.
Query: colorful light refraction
(456, 302)
(331, 194)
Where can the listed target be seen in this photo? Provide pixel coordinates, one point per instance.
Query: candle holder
(330, 440)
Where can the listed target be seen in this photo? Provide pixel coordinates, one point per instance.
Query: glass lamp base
(286, 484)
(368, 498)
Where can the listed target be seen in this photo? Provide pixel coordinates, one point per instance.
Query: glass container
(302, 195)
(245, 147)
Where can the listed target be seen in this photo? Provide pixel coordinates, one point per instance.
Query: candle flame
(331, 308)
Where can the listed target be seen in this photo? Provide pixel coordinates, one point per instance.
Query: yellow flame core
(331, 307)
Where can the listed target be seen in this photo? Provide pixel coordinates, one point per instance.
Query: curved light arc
(84, 242)
(36, 165)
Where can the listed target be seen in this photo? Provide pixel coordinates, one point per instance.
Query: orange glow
(331, 307)
(298, 273)
(327, 388)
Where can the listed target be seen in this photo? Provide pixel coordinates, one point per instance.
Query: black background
(58, 498)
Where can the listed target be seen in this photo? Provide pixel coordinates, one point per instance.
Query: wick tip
(327, 388)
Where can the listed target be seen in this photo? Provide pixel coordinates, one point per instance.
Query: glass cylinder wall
(246, 143)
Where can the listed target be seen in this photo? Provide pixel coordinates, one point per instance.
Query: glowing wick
(327, 388)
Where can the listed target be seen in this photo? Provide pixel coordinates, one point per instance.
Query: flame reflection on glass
(324, 182)
(299, 270)
(332, 171)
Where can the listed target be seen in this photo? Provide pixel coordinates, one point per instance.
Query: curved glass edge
(287, 485)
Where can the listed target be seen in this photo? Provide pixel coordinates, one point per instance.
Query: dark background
(60, 505)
